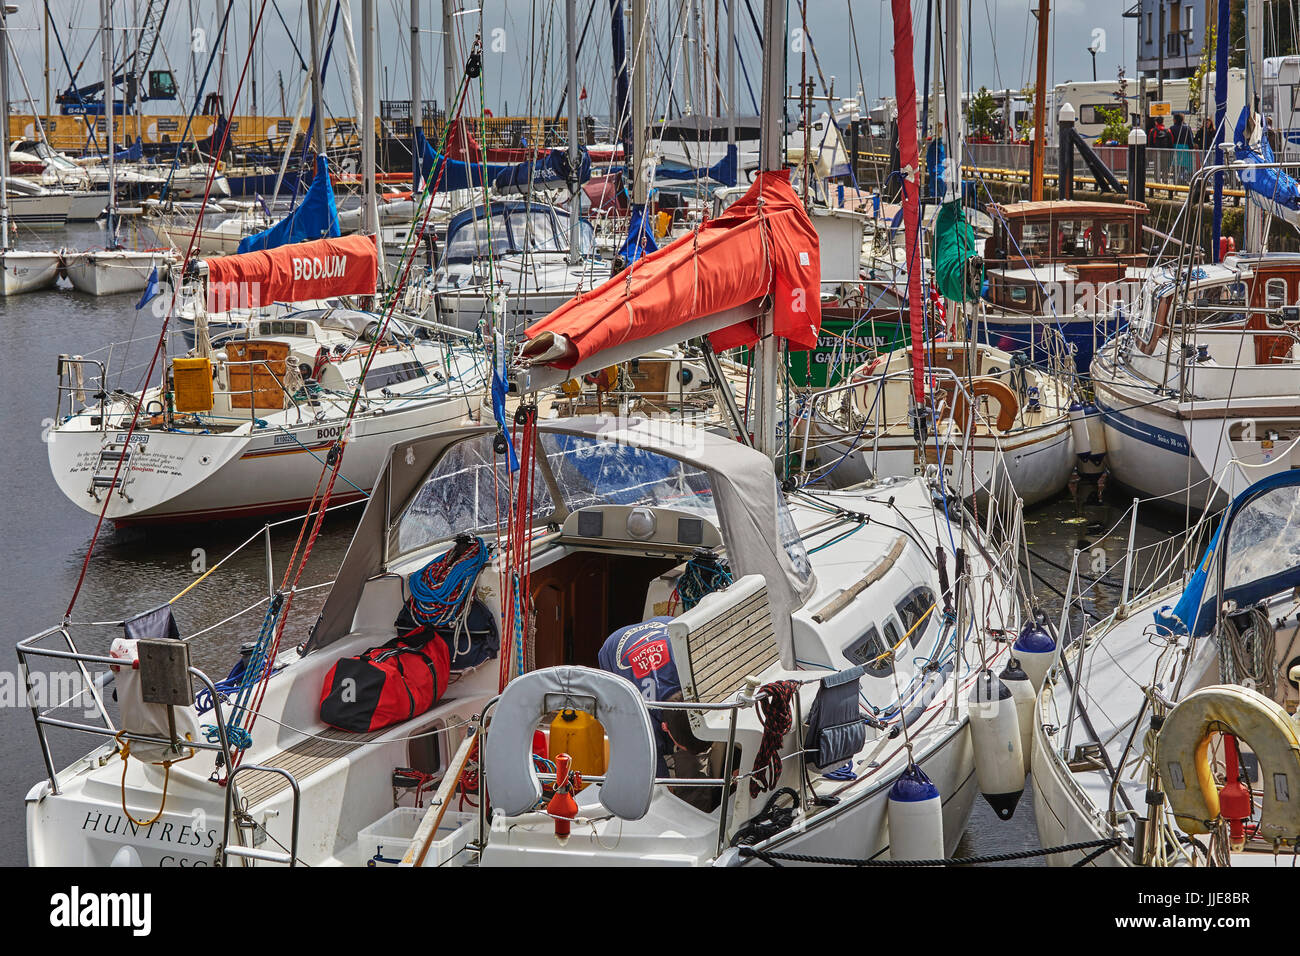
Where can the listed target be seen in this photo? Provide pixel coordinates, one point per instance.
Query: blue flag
(150, 290)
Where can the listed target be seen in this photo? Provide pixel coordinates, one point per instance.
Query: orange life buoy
(996, 389)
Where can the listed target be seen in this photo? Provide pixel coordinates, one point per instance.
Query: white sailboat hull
(22, 271)
(1148, 451)
(183, 477)
(44, 211)
(112, 272)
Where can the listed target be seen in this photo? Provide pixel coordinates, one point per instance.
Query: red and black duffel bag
(384, 686)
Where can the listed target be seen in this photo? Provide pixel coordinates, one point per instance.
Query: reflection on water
(45, 538)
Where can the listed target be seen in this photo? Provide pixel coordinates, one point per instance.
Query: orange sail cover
(348, 265)
(763, 244)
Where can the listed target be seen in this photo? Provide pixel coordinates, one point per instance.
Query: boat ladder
(107, 475)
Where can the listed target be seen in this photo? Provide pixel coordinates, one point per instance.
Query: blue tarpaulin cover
(317, 217)
(132, 153)
(450, 174)
(1272, 189)
(640, 237)
(725, 171)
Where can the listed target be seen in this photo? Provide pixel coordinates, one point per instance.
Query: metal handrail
(65, 361)
(251, 852)
(27, 648)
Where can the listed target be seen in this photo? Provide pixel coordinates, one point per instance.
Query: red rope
(332, 467)
(162, 335)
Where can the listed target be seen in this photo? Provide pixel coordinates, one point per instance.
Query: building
(1170, 36)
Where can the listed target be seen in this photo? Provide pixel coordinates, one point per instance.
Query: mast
(571, 58)
(1040, 104)
(1220, 119)
(318, 125)
(371, 215)
(952, 98)
(640, 62)
(764, 399)
(731, 72)
(4, 121)
(1253, 241)
(417, 108)
(106, 54)
(448, 58)
(46, 25)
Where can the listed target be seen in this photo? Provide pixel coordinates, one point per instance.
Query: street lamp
(1092, 48)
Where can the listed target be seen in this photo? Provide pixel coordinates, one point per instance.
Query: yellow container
(580, 735)
(192, 384)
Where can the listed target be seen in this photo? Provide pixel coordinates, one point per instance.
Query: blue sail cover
(936, 155)
(640, 236)
(1263, 554)
(725, 170)
(1271, 189)
(317, 217)
(548, 172)
(131, 154)
(447, 174)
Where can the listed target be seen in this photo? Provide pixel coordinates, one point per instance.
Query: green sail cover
(954, 247)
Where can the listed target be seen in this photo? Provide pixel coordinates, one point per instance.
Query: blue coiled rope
(440, 589)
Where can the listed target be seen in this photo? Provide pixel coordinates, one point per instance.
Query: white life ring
(1187, 778)
(512, 781)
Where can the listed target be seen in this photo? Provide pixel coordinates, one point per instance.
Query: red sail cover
(348, 265)
(909, 163)
(763, 244)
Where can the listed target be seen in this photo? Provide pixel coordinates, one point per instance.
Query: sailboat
(20, 270)
(850, 604)
(112, 270)
(1197, 396)
(1190, 682)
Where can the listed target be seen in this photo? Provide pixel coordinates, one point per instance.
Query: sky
(524, 47)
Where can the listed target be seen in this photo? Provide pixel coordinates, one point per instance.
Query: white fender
(512, 781)
(995, 734)
(1187, 778)
(915, 814)
(1022, 692)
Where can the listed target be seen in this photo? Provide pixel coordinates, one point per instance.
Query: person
(642, 653)
(1160, 140)
(1181, 137)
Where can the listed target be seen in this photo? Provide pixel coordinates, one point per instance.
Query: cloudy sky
(525, 42)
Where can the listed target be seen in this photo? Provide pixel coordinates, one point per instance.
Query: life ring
(1187, 777)
(996, 389)
(512, 781)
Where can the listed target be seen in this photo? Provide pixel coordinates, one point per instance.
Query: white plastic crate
(390, 836)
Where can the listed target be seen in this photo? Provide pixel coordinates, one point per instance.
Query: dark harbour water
(44, 538)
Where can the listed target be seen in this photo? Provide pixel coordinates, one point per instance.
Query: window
(866, 649)
(1275, 293)
(386, 375)
(913, 608)
(470, 240)
(535, 232)
(1117, 237)
(458, 496)
(1035, 239)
